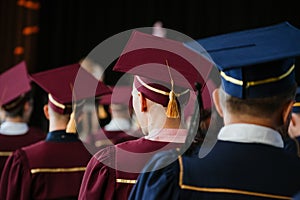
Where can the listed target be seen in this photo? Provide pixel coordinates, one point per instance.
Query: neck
(14, 119)
(246, 119)
(157, 119)
(162, 122)
(55, 125)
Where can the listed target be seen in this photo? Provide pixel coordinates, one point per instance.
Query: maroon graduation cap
(14, 84)
(165, 69)
(69, 83)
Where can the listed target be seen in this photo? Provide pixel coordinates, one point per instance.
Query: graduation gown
(9, 143)
(50, 169)
(112, 172)
(113, 133)
(104, 138)
(232, 170)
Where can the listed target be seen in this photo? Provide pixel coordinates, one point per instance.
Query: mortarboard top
(146, 55)
(14, 84)
(257, 62)
(153, 58)
(68, 83)
(296, 107)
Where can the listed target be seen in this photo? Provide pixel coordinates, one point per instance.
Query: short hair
(263, 107)
(18, 109)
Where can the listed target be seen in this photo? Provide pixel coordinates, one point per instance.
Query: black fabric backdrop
(70, 29)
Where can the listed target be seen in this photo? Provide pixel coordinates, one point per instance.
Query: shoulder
(130, 142)
(33, 147)
(164, 166)
(131, 145)
(37, 132)
(162, 159)
(33, 153)
(105, 156)
(159, 178)
(19, 157)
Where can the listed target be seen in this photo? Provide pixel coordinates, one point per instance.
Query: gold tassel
(71, 126)
(172, 109)
(102, 112)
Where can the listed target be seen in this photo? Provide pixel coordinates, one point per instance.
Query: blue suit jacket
(231, 170)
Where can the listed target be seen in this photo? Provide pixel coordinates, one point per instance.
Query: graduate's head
(119, 101)
(165, 73)
(65, 95)
(15, 92)
(271, 108)
(153, 103)
(52, 115)
(257, 69)
(21, 107)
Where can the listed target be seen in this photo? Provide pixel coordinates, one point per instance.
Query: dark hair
(16, 107)
(265, 107)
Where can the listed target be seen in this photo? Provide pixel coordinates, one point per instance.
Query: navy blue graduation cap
(296, 106)
(254, 63)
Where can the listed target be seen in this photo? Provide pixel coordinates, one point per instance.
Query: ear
(216, 99)
(293, 126)
(26, 106)
(293, 120)
(286, 114)
(46, 111)
(143, 102)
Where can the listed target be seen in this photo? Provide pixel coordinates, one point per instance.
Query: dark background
(70, 29)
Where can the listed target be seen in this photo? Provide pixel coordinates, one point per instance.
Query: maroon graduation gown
(49, 169)
(104, 138)
(112, 172)
(9, 143)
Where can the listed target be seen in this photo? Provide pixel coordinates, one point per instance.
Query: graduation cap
(119, 100)
(255, 63)
(120, 95)
(296, 106)
(69, 83)
(14, 85)
(165, 69)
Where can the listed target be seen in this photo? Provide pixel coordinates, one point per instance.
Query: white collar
(250, 133)
(13, 128)
(118, 124)
(167, 135)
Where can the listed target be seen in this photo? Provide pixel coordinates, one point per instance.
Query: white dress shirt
(250, 133)
(167, 135)
(13, 128)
